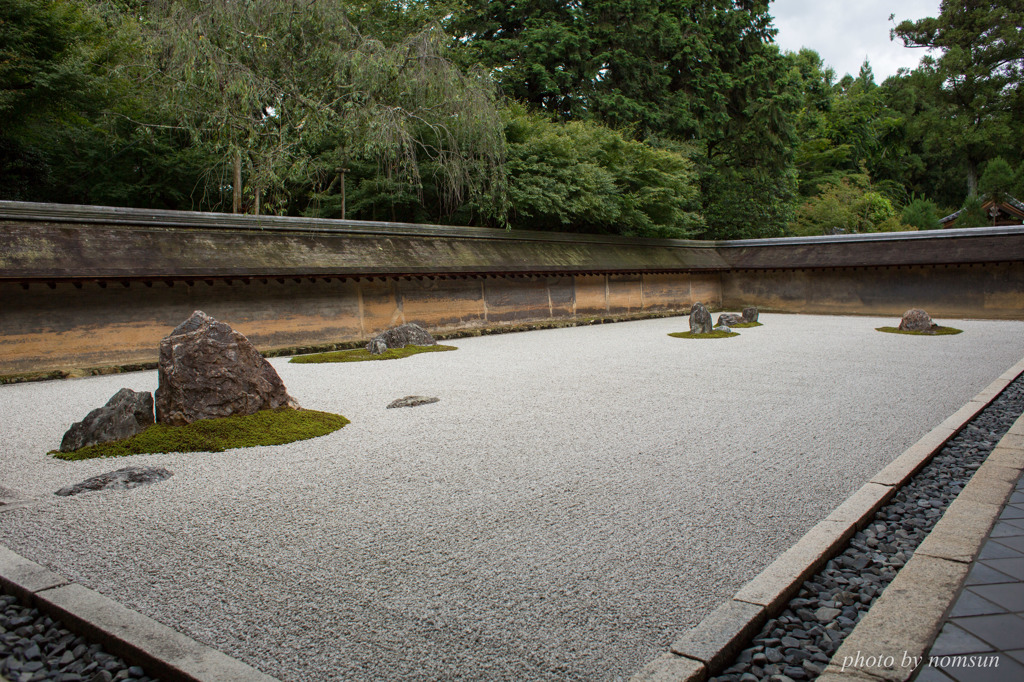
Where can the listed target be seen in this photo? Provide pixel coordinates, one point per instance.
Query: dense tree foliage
(661, 118)
(979, 74)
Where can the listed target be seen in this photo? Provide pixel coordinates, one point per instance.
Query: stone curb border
(907, 616)
(140, 640)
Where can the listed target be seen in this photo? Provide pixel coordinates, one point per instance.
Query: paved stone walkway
(987, 620)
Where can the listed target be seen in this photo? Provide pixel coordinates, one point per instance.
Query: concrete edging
(140, 640)
(706, 649)
(902, 624)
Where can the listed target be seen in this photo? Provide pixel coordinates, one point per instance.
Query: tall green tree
(266, 81)
(997, 180)
(52, 63)
(581, 176)
(699, 71)
(978, 71)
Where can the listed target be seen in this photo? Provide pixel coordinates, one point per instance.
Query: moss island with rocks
(266, 427)
(937, 331)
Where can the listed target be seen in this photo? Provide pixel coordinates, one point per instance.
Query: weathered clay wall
(96, 286)
(979, 290)
(67, 326)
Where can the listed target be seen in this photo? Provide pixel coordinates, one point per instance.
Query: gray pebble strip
(34, 647)
(798, 644)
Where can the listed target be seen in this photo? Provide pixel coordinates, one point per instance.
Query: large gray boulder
(209, 370)
(750, 314)
(916, 320)
(127, 413)
(410, 334)
(700, 319)
(122, 479)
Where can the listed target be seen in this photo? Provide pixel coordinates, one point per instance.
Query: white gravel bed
(576, 500)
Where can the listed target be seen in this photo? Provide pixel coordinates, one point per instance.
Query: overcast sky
(843, 32)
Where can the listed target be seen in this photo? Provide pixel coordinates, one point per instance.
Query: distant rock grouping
(410, 334)
(700, 319)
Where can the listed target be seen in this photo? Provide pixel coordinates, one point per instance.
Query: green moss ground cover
(266, 427)
(361, 354)
(938, 331)
(746, 325)
(709, 335)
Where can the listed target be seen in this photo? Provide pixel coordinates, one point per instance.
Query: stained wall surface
(71, 326)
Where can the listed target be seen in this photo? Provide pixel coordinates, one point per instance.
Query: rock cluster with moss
(207, 370)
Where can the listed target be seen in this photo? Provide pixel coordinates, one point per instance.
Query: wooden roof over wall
(54, 242)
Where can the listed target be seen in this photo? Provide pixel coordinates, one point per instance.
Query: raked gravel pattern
(576, 499)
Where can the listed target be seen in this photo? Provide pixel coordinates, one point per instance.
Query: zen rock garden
(206, 371)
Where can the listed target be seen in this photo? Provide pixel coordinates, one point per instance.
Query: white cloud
(844, 33)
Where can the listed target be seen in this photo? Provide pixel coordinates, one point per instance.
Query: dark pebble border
(798, 644)
(35, 647)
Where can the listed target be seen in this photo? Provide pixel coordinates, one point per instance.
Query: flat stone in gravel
(412, 401)
(122, 479)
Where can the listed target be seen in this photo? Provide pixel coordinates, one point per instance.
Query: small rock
(826, 614)
(412, 401)
(729, 320)
(410, 334)
(127, 413)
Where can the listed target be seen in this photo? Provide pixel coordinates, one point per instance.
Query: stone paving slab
(721, 635)
(781, 580)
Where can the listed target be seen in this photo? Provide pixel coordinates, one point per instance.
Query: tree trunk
(972, 178)
(236, 184)
(256, 202)
(342, 176)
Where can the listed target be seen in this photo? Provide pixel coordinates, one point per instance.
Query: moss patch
(266, 427)
(709, 335)
(746, 325)
(938, 331)
(361, 354)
